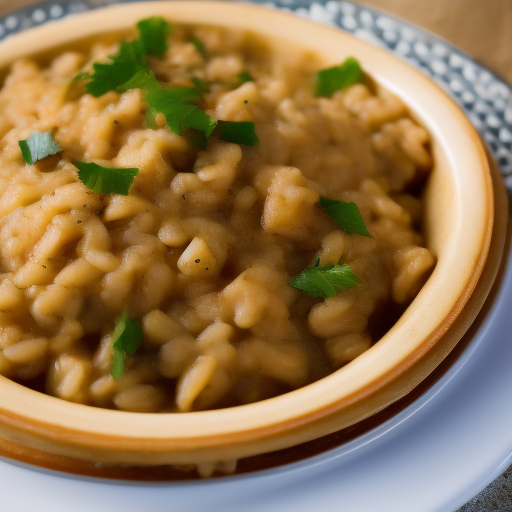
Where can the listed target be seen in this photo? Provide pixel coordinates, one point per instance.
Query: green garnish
(126, 338)
(197, 139)
(327, 281)
(347, 216)
(238, 132)
(178, 105)
(153, 33)
(200, 47)
(151, 120)
(106, 180)
(38, 146)
(129, 69)
(131, 58)
(244, 76)
(81, 76)
(330, 80)
(201, 85)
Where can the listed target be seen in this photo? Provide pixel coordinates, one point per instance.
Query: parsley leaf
(131, 58)
(327, 281)
(178, 105)
(142, 79)
(81, 76)
(38, 146)
(200, 47)
(151, 119)
(201, 85)
(109, 76)
(153, 34)
(197, 139)
(129, 69)
(244, 76)
(106, 180)
(127, 337)
(347, 216)
(330, 80)
(238, 132)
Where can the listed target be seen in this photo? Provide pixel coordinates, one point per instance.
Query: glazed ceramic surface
(442, 450)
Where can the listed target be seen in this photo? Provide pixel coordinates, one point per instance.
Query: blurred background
(482, 28)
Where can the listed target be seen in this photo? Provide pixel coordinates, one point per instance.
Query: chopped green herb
(128, 69)
(201, 85)
(238, 132)
(347, 216)
(200, 47)
(244, 76)
(131, 58)
(106, 180)
(330, 80)
(38, 146)
(178, 105)
(81, 76)
(326, 281)
(126, 338)
(142, 79)
(153, 33)
(123, 66)
(151, 119)
(197, 139)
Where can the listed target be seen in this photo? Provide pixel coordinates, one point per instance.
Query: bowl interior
(457, 225)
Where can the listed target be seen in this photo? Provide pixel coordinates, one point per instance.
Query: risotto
(191, 219)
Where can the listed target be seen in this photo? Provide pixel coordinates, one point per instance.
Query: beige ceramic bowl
(459, 218)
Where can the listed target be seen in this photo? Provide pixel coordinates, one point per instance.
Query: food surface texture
(192, 218)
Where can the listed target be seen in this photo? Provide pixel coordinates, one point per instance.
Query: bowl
(458, 228)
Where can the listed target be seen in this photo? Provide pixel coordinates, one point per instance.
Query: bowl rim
(44, 417)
